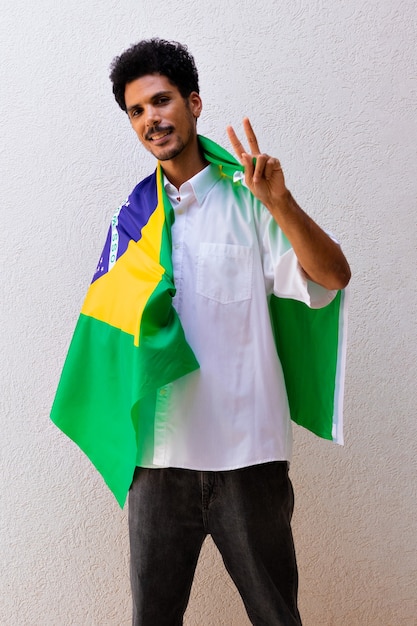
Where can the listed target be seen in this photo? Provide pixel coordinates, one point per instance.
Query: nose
(152, 117)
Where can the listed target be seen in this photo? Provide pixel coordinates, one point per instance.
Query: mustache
(158, 129)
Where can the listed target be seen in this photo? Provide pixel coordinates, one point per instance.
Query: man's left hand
(320, 257)
(263, 173)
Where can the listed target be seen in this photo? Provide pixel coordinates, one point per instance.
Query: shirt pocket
(224, 272)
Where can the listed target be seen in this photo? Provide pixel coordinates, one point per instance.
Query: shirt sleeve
(284, 276)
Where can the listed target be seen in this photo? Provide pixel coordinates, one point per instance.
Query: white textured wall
(331, 89)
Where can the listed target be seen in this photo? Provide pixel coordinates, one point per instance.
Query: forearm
(320, 257)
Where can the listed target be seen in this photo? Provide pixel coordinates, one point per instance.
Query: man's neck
(184, 166)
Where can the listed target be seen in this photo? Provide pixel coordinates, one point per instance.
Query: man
(213, 445)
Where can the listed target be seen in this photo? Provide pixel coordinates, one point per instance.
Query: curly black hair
(154, 56)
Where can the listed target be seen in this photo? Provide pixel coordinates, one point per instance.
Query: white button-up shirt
(228, 256)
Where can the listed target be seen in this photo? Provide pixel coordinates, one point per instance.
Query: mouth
(158, 135)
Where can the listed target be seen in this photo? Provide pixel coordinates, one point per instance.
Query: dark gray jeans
(246, 511)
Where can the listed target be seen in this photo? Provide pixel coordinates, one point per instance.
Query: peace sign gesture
(263, 173)
(320, 257)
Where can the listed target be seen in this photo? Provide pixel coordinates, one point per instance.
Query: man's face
(163, 120)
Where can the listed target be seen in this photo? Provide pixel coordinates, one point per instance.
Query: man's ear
(196, 104)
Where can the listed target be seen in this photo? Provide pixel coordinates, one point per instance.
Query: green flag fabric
(129, 341)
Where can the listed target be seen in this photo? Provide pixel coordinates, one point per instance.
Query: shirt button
(163, 392)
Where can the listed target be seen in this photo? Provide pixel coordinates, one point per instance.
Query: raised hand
(320, 257)
(263, 173)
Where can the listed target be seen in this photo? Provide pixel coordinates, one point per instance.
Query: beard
(167, 153)
(171, 152)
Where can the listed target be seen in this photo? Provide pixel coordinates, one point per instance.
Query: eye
(135, 113)
(162, 100)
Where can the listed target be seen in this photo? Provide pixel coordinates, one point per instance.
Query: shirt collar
(200, 184)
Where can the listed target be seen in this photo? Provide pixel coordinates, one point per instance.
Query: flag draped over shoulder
(129, 341)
